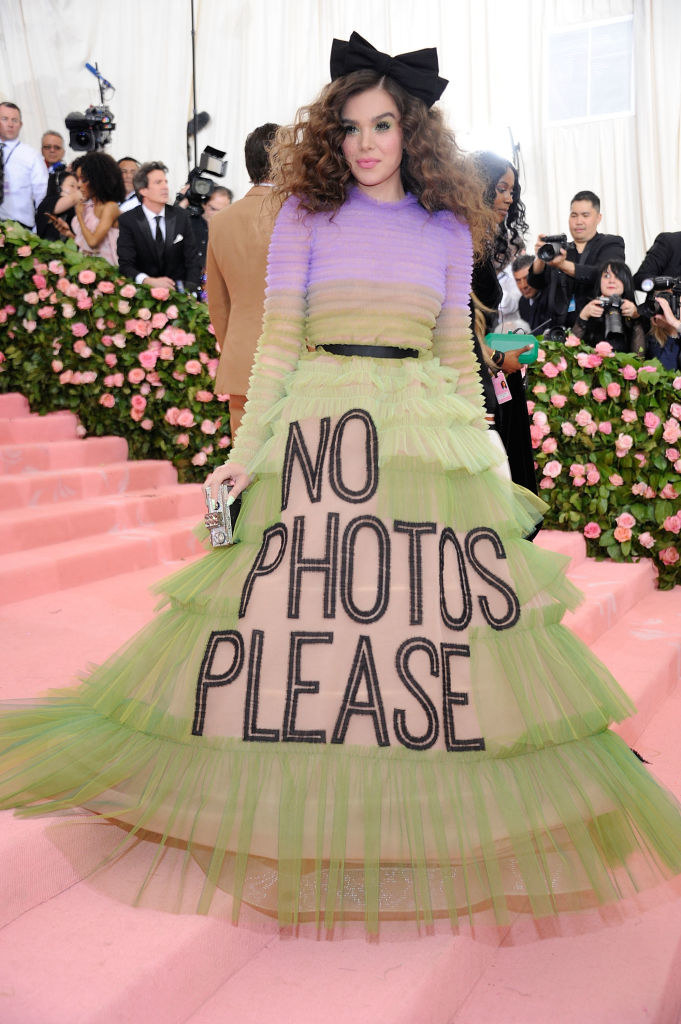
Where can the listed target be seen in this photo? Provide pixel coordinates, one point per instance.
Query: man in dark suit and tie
(156, 245)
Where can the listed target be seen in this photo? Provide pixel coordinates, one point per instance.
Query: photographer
(612, 315)
(662, 259)
(663, 340)
(570, 271)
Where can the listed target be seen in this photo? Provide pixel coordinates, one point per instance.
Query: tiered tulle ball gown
(367, 708)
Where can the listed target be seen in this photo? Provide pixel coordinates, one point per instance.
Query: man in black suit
(156, 245)
(663, 259)
(571, 278)
(533, 305)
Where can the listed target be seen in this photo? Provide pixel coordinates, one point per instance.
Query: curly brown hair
(306, 158)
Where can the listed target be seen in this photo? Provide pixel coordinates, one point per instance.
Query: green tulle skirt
(366, 709)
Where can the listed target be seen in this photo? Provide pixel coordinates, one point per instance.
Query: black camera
(668, 288)
(612, 322)
(555, 334)
(201, 188)
(551, 246)
(91, 130)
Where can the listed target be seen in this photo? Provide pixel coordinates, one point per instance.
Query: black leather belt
(374, 351)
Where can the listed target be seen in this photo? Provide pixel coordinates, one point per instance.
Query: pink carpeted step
(91, 451)
(56, 426)
(13, 404)
(643, 650)
(26, 574)
(51, 524)
(572, 544)
(64, 485)
(610, 589)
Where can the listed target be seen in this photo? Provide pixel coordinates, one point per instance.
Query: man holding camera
(570, 271)
(156, 244)
(663, 259)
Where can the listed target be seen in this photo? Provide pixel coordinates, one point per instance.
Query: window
(588, 72)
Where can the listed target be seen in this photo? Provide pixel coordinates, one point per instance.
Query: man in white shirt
(23, 174)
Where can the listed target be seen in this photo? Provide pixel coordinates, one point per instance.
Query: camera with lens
(551, 246)
(91, 130)
(211, 162)
(612, 316)
(668, 288)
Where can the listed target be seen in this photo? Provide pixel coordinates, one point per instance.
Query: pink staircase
(70, 953)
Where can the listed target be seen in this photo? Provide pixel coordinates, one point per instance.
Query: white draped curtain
(259, 60)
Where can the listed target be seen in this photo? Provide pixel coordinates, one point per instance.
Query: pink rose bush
(74, 335)
(612, 424)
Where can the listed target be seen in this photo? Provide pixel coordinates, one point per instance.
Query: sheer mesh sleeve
(283, 328)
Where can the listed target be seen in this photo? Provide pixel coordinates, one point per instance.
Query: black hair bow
(416, 72)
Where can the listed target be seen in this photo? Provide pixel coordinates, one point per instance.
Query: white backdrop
(258, 60)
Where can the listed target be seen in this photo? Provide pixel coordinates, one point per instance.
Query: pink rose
(539, 389)
(672, 524)
(604, 348)
(208, 427)
(45, 312)
(593, 361)
(530, 406)
(672, 454)
(553, 468)
(651, 422)
(599, 394)
(107, 400)
(626, 519)
(119, 340)
(634, 392)
(192, 366)
(66, 377)
(171, 415)
(55, 267)
(669, 493)
(581, 388)
(578, 481)
(123, 307)
(646, 540)
(212, 367)
(628, 415)
(550, 370)
(628, 372)
(24, 250)
(106, 287)
(593, 477)
(166, 352)
(592, 531)
(144, 313)
(622, 534)
(624, 441)
(549, 446)
(148, 359)
(153, 378)
(29, 325)
(536, 434)
(31, 298)
(568, 429)
(114, 380)
(616, 480)
(147, 424)
(669, 556)
(158, 321)
(85, 302)
(85, 352)
(79, 330)
(179, 376)
(583, 418)
(128, 291)
(185, 418)
(613, 389)
(204, 396)
(160, 293)
(200, 459)
(138, 402)
(582, 359)
(540, 418)
(172, 313)
(676, 383)
(577, 469)
(136, 414)
(38, 280)
(572, 342)
(87, 277)
(671, 432)
(558, 401)
(110, 359)
(638, 489)
(57, 365)
(136, 375)
(226, 440)
(182, 440)
(675, 410)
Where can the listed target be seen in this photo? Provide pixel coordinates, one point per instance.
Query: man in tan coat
(236, 265)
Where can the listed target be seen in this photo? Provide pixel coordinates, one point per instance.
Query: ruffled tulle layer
(386, 720)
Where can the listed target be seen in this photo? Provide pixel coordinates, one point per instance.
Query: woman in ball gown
(365, 708)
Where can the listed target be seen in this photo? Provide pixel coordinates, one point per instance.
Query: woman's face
(83, 185)
(69, 188)
(503, 194)
(373, 143)
(610, 284)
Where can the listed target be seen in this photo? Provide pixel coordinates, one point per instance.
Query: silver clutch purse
(218, 518)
